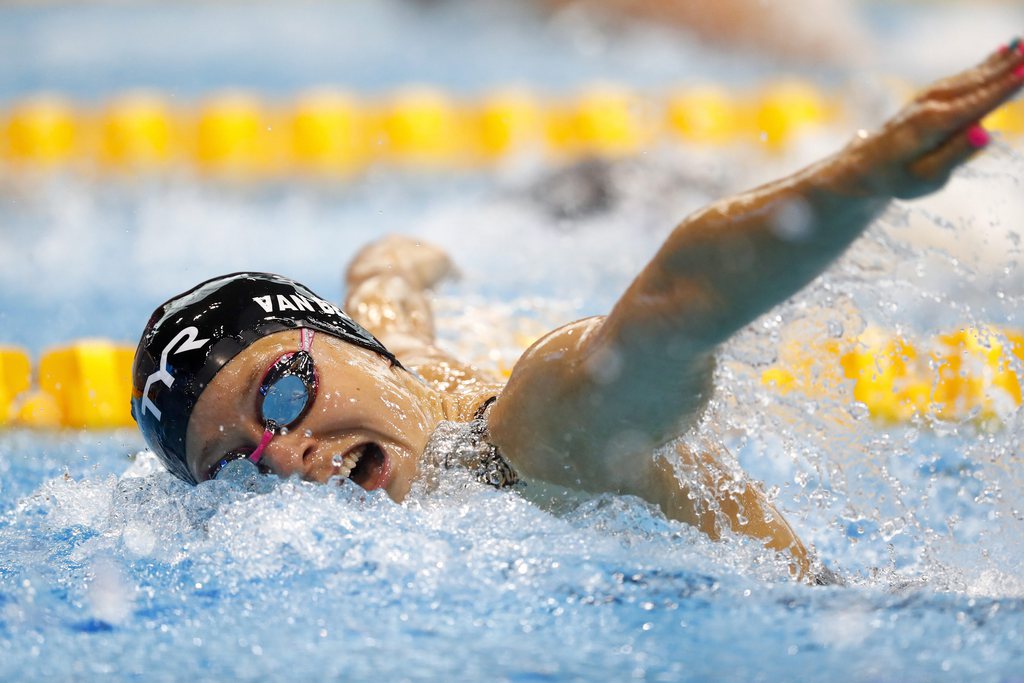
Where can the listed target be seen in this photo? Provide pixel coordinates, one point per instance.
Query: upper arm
(585, 401)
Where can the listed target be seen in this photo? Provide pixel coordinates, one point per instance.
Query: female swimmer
(255, 368)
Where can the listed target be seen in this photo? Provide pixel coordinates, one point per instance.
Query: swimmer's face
(363, 407)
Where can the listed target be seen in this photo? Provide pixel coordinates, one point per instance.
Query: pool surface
(112, 569)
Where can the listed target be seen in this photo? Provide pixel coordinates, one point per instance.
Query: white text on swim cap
(297, 303)
(188, 340)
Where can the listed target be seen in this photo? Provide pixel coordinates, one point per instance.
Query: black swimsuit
(468, 446)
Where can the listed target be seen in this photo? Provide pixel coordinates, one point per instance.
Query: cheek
(404, 469)
(403, 410)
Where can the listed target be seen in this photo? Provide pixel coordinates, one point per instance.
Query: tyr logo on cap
(188, 338)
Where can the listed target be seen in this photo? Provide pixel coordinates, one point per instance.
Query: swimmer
(255, 370)
(827, 30)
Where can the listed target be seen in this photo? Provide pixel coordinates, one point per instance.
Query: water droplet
(308, 433)
(337, 459)
(239, 471)
(859, 411)
(793, 221)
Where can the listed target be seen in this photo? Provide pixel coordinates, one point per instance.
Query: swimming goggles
(286, 393)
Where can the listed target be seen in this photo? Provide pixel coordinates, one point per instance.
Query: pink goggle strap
(307, 339)
(264, 442)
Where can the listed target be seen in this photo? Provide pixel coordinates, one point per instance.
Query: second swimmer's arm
(388, 283)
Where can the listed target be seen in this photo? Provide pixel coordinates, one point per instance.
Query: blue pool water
(110, 568)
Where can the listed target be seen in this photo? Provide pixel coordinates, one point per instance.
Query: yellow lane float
(15, 378)
(330, 133)
(423, 128)
(605, 120)
(705, 115)
(137, 132)
(1008, 119)
(787, 108)
(973, 373)
(510, 122)
(89, 382)
(41, 131)
(235, 136)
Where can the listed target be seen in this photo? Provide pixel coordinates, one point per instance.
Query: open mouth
(365, 465)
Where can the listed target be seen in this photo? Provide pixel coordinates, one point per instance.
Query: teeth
(347, 463)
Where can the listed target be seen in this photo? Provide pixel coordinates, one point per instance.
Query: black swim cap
(192, 336)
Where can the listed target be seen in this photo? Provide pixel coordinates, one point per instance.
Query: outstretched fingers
(1004, 60)
(956, 128)
(938, 122)
(917, 150)
(977, 104)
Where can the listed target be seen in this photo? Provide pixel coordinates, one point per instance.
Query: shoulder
(470, 406)
(560, 360)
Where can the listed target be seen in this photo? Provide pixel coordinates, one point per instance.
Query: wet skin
(361, 401)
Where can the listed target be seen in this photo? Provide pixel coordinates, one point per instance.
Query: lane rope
(335, 133)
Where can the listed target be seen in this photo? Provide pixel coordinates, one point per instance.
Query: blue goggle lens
(288, 390)
(285, 400)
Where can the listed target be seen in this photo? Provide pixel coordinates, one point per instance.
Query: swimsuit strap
(482, 410)
(492, 468)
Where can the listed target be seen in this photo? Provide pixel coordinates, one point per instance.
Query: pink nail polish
(1019, 71)
(977, 137)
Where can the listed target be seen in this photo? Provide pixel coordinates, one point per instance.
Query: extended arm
(585, 401)
(735, 260)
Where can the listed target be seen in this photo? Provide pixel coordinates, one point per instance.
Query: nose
(290, 454)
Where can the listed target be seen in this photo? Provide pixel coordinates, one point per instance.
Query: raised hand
(421, 263)
(917, 150)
